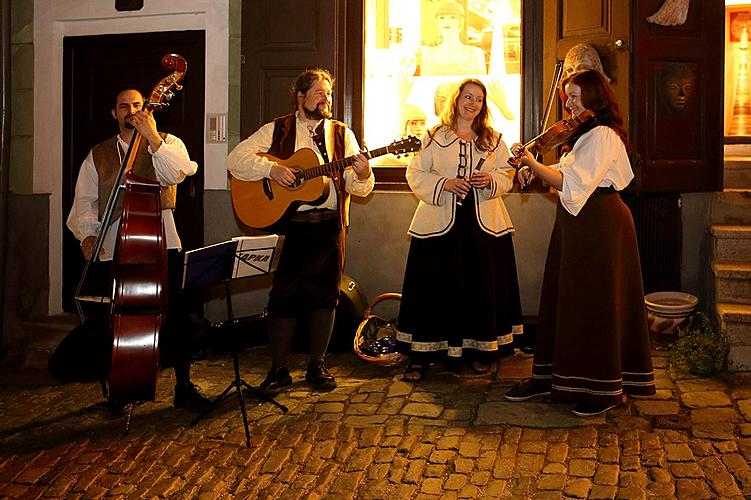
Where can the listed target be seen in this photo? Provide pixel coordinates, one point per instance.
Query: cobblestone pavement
(375, 436)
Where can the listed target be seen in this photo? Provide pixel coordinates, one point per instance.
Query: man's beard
(128, 125)
(317, 114)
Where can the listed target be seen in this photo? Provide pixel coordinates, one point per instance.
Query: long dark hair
(597, 95)
(481, 123)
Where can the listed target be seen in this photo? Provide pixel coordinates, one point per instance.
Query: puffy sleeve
(244, 163)
(352, 183)
(585, 167)
(171, 161)
(83, 219)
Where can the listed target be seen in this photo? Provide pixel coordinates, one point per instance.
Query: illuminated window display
(738, 93)
(417, 51)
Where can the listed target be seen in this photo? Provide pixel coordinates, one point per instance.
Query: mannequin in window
(451, 56)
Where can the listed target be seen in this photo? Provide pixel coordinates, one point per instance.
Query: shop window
(737, 77)
(417, 51)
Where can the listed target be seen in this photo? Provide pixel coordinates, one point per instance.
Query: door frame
(87, 120)
(56, 19)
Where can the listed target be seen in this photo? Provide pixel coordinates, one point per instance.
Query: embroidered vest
(107, 163)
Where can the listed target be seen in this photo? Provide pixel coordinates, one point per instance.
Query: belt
(314, 216)
(605, 190)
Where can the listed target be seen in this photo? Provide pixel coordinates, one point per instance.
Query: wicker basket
(374, 329)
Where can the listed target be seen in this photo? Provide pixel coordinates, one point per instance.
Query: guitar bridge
(267, 189)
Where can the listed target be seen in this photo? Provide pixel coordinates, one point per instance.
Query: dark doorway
(94, 69)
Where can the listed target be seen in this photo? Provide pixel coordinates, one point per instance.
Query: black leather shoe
(117, 408)
(276, 379)
(319, 377)
(187, 396)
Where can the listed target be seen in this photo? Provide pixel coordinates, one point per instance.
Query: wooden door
(95, 68)
(604, 24)
(679, 135)
(282, 39)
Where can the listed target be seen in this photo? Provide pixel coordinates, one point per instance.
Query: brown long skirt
(593, 340)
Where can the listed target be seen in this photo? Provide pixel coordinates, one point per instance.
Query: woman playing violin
(592, 341)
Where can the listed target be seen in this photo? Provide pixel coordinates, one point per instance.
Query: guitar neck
(339, 165)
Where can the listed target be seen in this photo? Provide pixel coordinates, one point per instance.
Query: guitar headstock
(408, 145)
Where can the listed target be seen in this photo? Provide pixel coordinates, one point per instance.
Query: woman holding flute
(460, 299)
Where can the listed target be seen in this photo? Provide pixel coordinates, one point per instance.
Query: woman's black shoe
(528, 389)
(276, 379)
(591, 410)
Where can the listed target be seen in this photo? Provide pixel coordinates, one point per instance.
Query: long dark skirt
(460, 298)
(593, 341)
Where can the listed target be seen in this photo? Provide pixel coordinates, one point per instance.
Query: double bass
(138, 301)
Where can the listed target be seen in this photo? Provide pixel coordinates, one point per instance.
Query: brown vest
(283, 146)
(107, 163)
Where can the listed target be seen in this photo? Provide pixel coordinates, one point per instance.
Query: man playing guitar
(306, 282)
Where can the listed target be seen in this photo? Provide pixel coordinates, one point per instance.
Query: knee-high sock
(281, 331)
(321, 324)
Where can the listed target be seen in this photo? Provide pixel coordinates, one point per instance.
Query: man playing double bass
(161, 157)
(306, 282)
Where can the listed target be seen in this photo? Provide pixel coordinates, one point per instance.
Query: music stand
(239, 257)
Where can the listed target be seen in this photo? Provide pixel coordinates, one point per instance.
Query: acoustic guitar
(259, 204)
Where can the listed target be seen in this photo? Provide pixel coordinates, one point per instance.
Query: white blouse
(598, 159)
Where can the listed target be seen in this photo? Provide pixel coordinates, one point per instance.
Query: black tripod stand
(238, 385)
(222, 263)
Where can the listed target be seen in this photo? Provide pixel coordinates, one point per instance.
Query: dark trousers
(305, 286)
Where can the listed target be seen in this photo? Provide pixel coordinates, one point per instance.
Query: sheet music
(256, 255)
(209, 264)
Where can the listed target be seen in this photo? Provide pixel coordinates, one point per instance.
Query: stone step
(736, 320)
(731, 208)
(737, 173)
(732, 243)
(732, 282)
(43, 335)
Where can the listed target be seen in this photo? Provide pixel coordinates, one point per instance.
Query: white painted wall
(55, 19)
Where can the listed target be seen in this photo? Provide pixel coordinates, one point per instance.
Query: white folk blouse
(598, 159)
(438, 162)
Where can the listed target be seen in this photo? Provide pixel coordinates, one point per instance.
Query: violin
(554, 136)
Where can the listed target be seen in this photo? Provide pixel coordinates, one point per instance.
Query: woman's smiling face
(574, 99)
(470, 102)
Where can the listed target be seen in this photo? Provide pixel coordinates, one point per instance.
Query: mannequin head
(582, 57)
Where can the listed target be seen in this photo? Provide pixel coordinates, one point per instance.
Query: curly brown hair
(481, 124)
